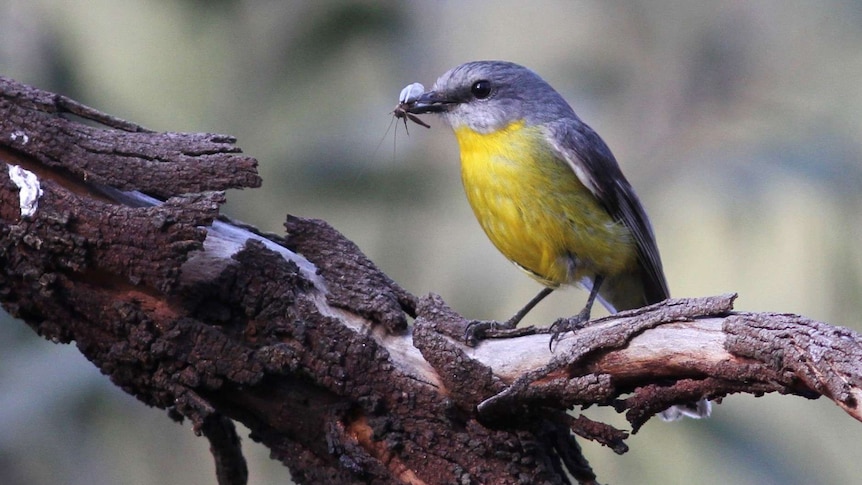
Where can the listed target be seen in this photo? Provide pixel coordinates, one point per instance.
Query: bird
(547, 191)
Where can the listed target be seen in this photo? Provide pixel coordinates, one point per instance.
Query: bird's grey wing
(595, 166)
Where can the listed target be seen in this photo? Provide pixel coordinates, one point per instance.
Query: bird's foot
(485, 329)
(570, 324)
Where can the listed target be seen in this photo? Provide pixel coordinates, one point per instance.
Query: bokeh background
(737, 122)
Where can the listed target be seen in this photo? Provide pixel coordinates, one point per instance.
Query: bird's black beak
(428, 102)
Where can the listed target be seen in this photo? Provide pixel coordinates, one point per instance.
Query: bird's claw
(563, 325)
(478, 330)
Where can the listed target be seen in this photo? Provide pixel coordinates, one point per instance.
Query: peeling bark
(306, 342)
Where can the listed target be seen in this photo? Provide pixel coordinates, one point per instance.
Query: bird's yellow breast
(535, 210)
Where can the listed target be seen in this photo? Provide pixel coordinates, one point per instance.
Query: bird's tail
(696, 410)
(628, 291)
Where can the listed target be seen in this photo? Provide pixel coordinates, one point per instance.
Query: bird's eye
(481, 89)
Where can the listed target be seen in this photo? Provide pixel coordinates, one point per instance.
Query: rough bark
(121, 248)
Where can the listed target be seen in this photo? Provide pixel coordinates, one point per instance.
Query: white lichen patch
(20, 137)
(29, 190)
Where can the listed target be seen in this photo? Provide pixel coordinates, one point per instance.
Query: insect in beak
(406, 101)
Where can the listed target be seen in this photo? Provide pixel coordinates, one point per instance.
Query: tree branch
(111, 237)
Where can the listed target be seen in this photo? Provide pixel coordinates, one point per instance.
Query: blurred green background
(737, 122)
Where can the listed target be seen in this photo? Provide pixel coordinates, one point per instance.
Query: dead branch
(111, 237)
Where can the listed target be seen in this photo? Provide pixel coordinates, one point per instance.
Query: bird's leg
(482, 329)
(516, 318)
(564, 325)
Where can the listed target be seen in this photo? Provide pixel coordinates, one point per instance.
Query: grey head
(488, 95)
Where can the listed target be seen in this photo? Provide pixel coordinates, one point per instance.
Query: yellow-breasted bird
(547, 190)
